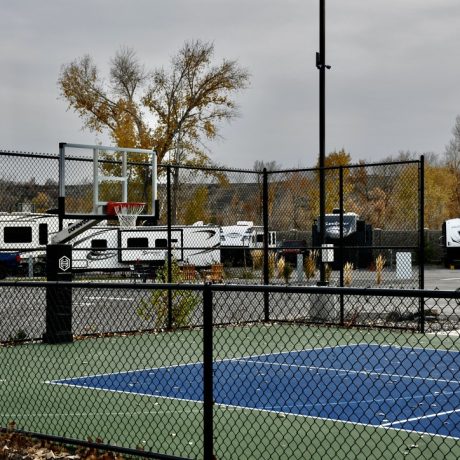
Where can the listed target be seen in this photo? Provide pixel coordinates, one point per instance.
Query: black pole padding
(58, 297)
(208, 395)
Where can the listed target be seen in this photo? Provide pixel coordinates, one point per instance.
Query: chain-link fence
(237, 226)
(196, 370)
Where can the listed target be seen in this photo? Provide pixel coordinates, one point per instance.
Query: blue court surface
(387, 386)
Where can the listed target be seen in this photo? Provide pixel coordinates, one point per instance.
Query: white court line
(350, 371)
(62, 381)
(271, 411)
(132, 393)
(345, 422)
(414, 419)
(401, 347)
(355, 402)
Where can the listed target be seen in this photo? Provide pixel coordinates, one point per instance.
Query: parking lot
(442, 279)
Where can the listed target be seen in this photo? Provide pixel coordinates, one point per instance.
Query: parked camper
(99, 246)
(357, 239)
(116, 248)
(238, 240)
(451, 242)
(27, 233)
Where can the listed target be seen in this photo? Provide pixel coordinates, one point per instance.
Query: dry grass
(310, 264)
(280, 266)
(379, 264)
(348, 274)
(257, 256)
(271, 264)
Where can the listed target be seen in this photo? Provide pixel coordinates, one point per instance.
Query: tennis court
(412, 389)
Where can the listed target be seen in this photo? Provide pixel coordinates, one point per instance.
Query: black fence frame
(265, 176)
(208, 327)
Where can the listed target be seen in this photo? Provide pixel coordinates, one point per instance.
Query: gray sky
(394, 83)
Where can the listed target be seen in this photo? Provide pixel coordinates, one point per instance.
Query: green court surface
(174, 426)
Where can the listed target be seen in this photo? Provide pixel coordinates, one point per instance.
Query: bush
(183, 303)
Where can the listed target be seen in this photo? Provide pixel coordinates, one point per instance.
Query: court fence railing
(199, 339)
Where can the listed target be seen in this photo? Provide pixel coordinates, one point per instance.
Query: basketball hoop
(127, 213)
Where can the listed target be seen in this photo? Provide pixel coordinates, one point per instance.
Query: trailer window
(163, 242)
(98, 244)
(43, 233)
(260, 238)
(17, 235)
(137, 243)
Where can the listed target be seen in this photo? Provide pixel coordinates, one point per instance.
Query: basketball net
(128, 213)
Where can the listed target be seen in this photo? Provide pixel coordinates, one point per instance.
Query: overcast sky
(394, 83)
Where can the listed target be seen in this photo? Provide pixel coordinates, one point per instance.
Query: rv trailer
(97, 246)
(238, 240)
(114, 248)
(357, 239)
(28, 233)
(451, 242)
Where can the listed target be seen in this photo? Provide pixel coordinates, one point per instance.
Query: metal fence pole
(208, 397)
(265, 224)
(169, 252)
(421, 264)
(321, 66)
(341, 251)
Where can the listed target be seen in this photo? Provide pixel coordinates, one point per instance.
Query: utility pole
(321, 66)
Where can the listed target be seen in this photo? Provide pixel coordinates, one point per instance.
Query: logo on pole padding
(64, 263)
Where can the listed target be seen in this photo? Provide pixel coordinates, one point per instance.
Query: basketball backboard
(90, 176)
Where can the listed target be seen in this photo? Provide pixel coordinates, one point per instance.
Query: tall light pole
(321, 66)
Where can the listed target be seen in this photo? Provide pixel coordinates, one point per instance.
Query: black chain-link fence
(258, 362)
(195, 370)
(235, 225)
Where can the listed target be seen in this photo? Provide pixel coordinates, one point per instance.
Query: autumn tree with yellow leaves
(173, 111)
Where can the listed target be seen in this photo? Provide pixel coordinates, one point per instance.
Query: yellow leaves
(176, 110)
(42, 202)
(439, 185)
(340, 158)
(197, 206)
(209, 129)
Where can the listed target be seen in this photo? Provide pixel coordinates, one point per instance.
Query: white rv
(28, 233)
(451, 242)
(98, 246)
(238, 240)
(115, 248)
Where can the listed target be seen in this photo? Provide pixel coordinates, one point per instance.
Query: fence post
(208, 397)
(342, 306)
(58, 298)
(265, 224)
(169, 252)
(421, 263)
